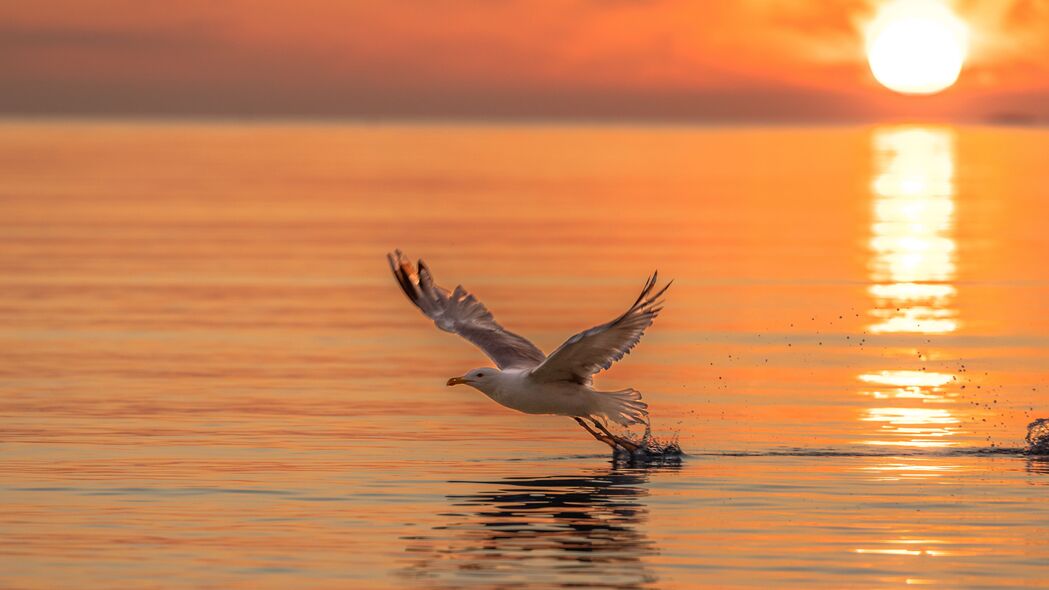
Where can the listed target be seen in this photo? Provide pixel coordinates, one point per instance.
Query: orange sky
(745, 59)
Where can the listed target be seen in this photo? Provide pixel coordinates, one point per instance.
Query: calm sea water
(210, 380)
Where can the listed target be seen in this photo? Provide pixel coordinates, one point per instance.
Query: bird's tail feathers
(623, 407)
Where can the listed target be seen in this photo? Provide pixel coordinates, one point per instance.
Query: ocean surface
(209, 378)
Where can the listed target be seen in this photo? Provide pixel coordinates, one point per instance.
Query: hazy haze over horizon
(654, 60)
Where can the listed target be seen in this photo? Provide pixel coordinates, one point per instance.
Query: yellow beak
(456, 381)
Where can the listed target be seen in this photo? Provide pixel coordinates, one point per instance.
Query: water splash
(1038, 437)
(651, 449)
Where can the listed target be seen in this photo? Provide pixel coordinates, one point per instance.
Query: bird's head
(482, 379)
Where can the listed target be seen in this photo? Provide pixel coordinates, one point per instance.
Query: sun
(916, 46)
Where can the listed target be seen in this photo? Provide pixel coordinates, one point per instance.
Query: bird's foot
(629, 446)
(596, 434)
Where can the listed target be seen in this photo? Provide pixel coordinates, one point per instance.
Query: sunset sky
(619, 59)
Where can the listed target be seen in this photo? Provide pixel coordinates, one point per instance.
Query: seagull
(527, 380)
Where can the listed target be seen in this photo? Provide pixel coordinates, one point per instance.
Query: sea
(210, 378)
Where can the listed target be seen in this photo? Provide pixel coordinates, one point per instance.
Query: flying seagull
(527, 380)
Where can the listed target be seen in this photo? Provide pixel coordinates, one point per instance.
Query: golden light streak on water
(927, 386)
(912, 244)
(911, 268)
(913, 427)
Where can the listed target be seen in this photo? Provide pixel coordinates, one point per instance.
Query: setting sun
(916, 47)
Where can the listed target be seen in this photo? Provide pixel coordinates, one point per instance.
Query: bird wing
(461, 313)
(596, 349)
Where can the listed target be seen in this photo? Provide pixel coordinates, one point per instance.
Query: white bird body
(517, 390)
(512, 388)
(527, 380)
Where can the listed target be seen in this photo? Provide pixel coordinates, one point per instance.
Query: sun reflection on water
(927, 386)
(931, 552)
(913, 249)
(913, 427)
(910, 469)
(912, 265)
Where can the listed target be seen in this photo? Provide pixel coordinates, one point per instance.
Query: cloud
(1007, 30)
(487, 57)
(14, 38)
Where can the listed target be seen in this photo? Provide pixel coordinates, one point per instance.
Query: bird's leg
(629, 446)
(596, 434)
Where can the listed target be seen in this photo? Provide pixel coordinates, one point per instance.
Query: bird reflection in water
(1039, 465)
(582, 530)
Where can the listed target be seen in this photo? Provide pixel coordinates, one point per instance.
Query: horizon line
(1000, 120)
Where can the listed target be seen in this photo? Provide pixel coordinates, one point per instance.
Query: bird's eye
(480, 374)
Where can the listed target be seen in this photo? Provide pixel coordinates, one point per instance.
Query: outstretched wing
(461, 313)
(596, 349)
